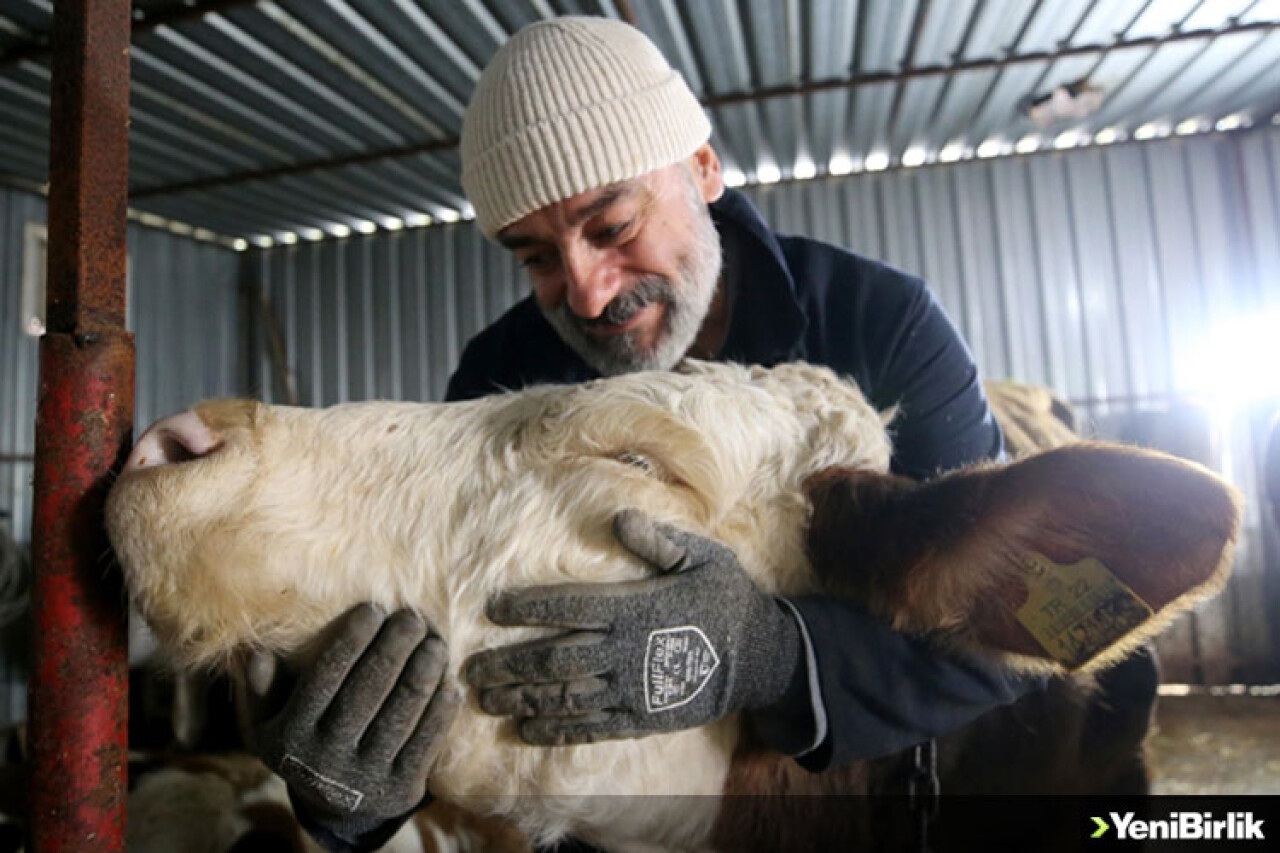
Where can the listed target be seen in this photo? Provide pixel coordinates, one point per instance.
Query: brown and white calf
(245, 525)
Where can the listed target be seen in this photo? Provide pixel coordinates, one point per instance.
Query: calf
(243, 525)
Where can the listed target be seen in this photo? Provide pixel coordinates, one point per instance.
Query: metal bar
(38, 50)
(13, 458)
(299, 168)
(985, 64)
(78, 690)
(855, 82)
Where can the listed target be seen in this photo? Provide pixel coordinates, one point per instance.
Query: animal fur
(298, 514)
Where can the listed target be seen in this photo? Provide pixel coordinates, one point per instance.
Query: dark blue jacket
(871, 691)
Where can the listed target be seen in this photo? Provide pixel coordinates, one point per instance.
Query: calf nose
(177, 438)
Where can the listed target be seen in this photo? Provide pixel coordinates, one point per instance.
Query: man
(588, 157)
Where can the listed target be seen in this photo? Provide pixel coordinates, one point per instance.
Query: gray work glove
(355, 737)
(671, 652)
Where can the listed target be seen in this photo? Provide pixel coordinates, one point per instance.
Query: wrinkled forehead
(562, 218)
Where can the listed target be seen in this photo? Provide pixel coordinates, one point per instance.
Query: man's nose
(591, 282)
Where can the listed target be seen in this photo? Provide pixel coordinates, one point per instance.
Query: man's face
(625, 274)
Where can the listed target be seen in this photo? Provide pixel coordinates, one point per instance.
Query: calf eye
(638, 460)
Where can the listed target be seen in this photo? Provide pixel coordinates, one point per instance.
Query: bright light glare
(804, 169)
(1236, 361)
(1027, 144)
(240, 245)
(288, 238)
(734, 177)
(840, 164)
(392, 223)
(768, 173)
(950, 153)
(1151, 130)
(1106, 136)
(914, 156)
(991, 148)
(337, 229)
(877, 161)
(1067, 139)
(1188, 126)
(311, 234)
(364, 226)
(448, 215)
(417, 220)
(1235, 121)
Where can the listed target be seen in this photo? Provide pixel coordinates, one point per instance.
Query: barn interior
(1090, 187)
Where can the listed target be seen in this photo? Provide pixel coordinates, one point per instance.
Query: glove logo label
(678, 663)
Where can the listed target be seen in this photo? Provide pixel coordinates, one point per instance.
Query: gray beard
(687, 302)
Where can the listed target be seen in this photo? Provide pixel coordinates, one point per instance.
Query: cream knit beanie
(569, 105)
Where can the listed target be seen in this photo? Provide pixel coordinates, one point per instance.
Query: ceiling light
(449, 215)
(288, 238)
(1106, 136)
(992, 147)
(914, 156)
(392, 223)
(877, 161)
(1027, 144)
(468, 212)
(804, 169)
(240, 245)
(840, 164)
(767, 173)
(733, 177)
(337, 229)
(263, 241)
(364, 226)
(311, 234)
(417, 220)
(950, 153)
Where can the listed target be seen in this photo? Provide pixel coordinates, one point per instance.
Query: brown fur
(937, 556)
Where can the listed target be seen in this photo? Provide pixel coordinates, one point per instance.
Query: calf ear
(1068, 559)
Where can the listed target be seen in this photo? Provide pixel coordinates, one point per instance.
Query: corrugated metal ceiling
(273, 119)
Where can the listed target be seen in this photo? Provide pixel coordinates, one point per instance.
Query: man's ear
(1064, 560)
(705, 163)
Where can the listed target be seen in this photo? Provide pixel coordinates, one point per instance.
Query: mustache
(624, 306)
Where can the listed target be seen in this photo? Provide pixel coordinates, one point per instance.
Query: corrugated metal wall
(1097, 271)
(183, 307)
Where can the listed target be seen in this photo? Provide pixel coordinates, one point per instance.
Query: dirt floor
(1205, 744)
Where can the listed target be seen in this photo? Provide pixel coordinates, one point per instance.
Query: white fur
(303, 513)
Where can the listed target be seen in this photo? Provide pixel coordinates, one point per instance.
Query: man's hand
(670, 652)
(357, 734)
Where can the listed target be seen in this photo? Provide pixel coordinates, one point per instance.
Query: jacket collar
(768, 323)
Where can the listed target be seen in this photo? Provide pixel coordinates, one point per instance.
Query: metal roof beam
(854, 82)
(40, 50)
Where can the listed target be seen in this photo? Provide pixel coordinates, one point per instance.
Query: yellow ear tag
(1077, 611)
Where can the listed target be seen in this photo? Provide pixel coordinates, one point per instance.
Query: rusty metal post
(79, 681)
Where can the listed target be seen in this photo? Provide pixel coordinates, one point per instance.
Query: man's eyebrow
(595, 208)
(601, 204)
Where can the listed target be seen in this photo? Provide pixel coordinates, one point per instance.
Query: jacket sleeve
(873, 691)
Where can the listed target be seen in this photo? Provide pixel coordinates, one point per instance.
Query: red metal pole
(79, 683)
